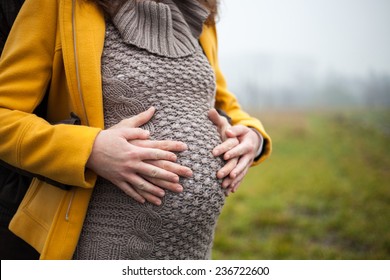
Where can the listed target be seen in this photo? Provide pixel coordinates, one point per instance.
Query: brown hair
(212, 5)
(110, 6)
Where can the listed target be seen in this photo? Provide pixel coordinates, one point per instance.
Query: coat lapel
(208, 42)
(82, 30)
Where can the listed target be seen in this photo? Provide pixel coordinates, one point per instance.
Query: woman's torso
(182, 90)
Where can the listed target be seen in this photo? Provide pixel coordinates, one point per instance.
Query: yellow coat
(57, 44)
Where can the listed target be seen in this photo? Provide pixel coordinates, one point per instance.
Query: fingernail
(215, 152)
(157, 202)
(221, 175)
(161, 194)
(189, 173)
(179, 188)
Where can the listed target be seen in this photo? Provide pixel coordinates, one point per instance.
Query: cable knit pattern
(182, 89)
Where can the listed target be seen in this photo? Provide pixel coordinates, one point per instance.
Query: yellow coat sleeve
(58, 152)
(225, 100)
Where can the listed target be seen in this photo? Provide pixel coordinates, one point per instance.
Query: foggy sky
(348, 36)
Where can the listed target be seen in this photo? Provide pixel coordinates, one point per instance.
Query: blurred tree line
(268, 83)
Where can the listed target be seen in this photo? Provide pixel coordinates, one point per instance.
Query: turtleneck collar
(168, 28)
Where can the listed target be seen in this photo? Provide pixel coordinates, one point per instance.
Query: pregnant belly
(202, 192)
(201, 137)
(183, 226)
(188, 219)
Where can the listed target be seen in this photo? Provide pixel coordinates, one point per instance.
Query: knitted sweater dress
(152, 57)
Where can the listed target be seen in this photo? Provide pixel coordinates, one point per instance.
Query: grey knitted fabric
(167, 27)
(181, 85)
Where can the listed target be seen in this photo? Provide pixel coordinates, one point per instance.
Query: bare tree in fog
(274, 83)
(377, 90)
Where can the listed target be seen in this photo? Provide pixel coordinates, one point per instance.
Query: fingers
(127, 189)
(150, 186)
(152, 154)
(136, 120)
(243, 164)
(150, 197)
(221, 123)
(227, 182)
(232, 185)
(227, 145)
(216, 118)
(174, 187)
(156, 172)
(145, 188)
(134, 133)
(237, 130)
(227, 168)
(138, 194)
(140, 184)
(237, 181)
(166, 145)
(141, 118)
(235, 177)
(172, 167)
(238, 150)
(249, 141)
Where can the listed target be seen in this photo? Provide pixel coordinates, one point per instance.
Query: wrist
(260, 142)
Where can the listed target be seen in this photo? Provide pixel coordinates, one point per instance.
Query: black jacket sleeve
(8, 11)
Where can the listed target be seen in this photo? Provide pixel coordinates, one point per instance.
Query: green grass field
(323, 194)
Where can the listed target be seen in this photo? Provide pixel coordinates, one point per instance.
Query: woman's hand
(239, 148)
(123, 155)
(226, 145)
(246, 151)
